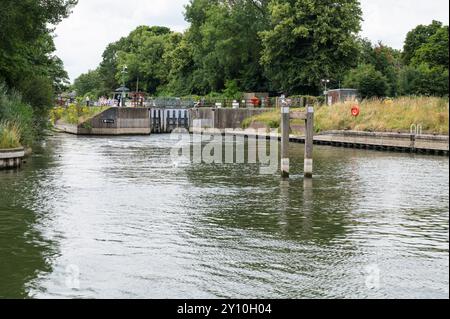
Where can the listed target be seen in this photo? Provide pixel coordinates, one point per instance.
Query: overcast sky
(94, 24)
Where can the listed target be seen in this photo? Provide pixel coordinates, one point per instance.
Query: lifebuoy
(356, 110)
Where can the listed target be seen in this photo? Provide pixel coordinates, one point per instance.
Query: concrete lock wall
(222, 118)
(117, 121)
(165, 120)
(113, 121)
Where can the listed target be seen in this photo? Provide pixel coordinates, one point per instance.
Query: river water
(114, 218)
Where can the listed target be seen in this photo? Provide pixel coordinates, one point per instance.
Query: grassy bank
(17, 121)
(10, 135)
(74, 114)
(376, 116)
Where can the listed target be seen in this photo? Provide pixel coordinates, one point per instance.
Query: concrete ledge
(11, 158)
(427, 144)
(113, 121)
(223, 118)
(400, 141)
(66, 128)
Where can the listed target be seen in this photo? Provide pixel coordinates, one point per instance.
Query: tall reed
(10, 135)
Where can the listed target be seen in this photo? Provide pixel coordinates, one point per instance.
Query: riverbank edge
(380, 141)
(12, 158)
(110, 122)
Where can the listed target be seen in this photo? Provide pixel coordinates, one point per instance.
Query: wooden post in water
(286, 117)
(309, 142)
(285, 128)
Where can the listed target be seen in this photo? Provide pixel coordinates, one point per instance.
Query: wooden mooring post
(286, 117)
(309, 142)
(285, 128)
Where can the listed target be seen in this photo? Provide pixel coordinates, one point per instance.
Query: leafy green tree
(225, 43)
(428, 71)
(388, 61)
(145, 60)
(310, 40)
(89, 83)
(369, 82)
(27, 61)
(232, 90)
(181, 68)
(435, 51)
(25, 41)
(108, 68)
(424, 80)
(418, 37)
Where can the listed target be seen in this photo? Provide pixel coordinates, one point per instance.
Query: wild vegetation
(10, 135)
(396, 115)
(16, 117)
(74, 114)
(30, 73)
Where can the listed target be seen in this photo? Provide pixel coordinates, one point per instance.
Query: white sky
(82, 38)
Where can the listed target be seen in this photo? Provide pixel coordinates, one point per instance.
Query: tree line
(30, 73)
(278, 46)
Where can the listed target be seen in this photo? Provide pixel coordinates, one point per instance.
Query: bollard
(285, 128)
(309, 142)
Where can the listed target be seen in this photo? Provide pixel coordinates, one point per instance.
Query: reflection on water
(136, 226)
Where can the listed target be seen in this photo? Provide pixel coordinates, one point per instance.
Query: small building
(341, 96)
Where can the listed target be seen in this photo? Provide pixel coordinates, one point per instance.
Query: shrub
(14, 110)
(396, 115)
(74, 114)
(368, 81)
(10, 135)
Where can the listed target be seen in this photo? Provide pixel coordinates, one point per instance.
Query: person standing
(88, 101)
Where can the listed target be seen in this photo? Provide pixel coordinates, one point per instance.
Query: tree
(369, 82)
(416, 38)
(434, 51)
(225, 44)
(180, 63)
(89, 83)
(310, 40)
(424, 80)
(109, 66)
(145, 59)
(428, 70)
(388, 62)
(25, 41)
(27, 61)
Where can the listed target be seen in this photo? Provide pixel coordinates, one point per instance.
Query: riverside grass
(74, 114)
(396, 115)
(10, 135)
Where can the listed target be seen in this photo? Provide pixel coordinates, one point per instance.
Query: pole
(285, 127)
(124, 71)
(309, 142)
(137, 98)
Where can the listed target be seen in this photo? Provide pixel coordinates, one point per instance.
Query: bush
(232, 91)
(14, 110)
(10, 135)
(74, 114)
(368, 81)
(38, 92)
(424, 80)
